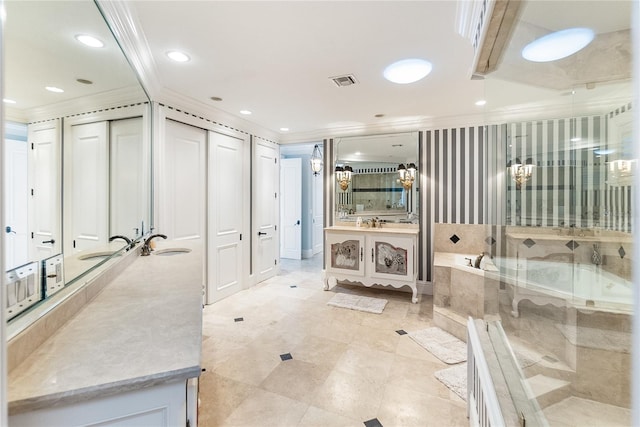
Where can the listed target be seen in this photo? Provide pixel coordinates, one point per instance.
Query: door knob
(9, 230)
(260, 233)
(297, 222)
(49, 241)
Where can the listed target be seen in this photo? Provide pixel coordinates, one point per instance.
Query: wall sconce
(343, 176)
(316, 160)
(520, 173)
(407, 175)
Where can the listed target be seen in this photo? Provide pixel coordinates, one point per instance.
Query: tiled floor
(347, 368)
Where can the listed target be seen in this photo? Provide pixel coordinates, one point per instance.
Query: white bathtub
(578, 285)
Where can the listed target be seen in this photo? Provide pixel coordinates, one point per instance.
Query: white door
(87, 187)
(317, 207)
(16, 191)
(127, 203)
(291, 208)
(183, 183)
(228, 190)
(265, 202)
(45, 203)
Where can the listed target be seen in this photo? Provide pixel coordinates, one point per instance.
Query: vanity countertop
(386, 228)
(143, 329)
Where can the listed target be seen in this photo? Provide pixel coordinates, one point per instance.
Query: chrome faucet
(476, 264)
(145, 250)
(125, 238)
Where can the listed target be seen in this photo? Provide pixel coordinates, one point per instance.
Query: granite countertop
(143, 329)
(386, 228)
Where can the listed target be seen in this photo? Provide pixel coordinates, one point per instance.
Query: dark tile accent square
(293, 286)
(528, 243)
(621, 252)
(239, 319)
(401, 332)
(572, 244)
(373, 423)
(490, 240)
(455, 239)
(286, 356)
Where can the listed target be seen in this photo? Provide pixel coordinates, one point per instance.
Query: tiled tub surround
(143, 329)
(461, 291)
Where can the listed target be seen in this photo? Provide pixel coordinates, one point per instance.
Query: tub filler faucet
(145, 250)
(476, 264)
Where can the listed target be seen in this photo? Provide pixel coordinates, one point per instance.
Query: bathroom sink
(94, 256)
(171, 251)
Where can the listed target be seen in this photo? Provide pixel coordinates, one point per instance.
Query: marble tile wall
(463, 238)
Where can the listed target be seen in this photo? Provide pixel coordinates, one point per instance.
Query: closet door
(183, 182)
(87, 187)
(265, 209)
(228, 190)
(128, 177)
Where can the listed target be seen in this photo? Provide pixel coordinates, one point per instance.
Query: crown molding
(125, 26)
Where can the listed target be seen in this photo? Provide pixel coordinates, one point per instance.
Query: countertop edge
(101, 390)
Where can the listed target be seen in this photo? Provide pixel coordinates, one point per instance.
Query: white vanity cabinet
(371, 256)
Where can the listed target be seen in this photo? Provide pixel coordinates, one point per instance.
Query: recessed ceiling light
(245, 112)
(407, 71)
(284, 129)
(84, 81)
(8, 101)
(558, 45)
(178, 56)
(216, 98)
(481, 103)
(379, 115)
(357, 153)
(89, 40)
(54, 89)
(575, 139)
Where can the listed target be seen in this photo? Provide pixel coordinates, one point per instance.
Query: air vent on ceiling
(346, 80)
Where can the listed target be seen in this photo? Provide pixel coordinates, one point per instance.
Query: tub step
(549, 390)
(450, 321)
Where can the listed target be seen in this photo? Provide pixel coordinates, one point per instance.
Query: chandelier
(520, 173)
(407, 175)
(343, 176)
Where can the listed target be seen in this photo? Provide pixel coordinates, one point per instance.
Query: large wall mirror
(77, 136)
(372, 185)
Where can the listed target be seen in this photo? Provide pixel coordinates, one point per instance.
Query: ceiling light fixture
(88, 40)
(54, 89)
(558, 45)
(216, 98)
(520, 173)
(407, 70)
(245, 112)
(284, 129)
(316, 160)
(178, 56)
(481, 103)
(8, 101)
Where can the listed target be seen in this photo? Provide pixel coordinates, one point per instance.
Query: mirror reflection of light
(8, 101)
(178, 56)
(407, 71)
(89, 40)
(576, 139)
(604, 151)
(558, 45)
(54, 89)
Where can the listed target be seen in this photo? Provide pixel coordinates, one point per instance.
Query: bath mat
(441, 344)
(357, 302)
(455, 378)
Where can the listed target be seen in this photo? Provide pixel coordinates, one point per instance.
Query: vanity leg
(330, 282)
(414, 298)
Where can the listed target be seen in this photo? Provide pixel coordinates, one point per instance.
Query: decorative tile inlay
(490, 240)
(572, 244)
(239, 319)
(529, 243)
(401, 332)
(286, 356)
(373, 423)
(622, 252)
(455, 239)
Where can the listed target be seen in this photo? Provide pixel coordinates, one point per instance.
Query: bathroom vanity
(372, 256)
(130, 356)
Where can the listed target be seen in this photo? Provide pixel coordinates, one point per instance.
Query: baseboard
(307, 253)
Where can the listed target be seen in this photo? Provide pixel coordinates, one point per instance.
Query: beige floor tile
(319, 351)
(417, 375)
(383, 339)
(366, 363)
(409, 348)
(296, 379)
(316, 417)
(219, 397)
(350, 395)
(249, 365)
(263, 408)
